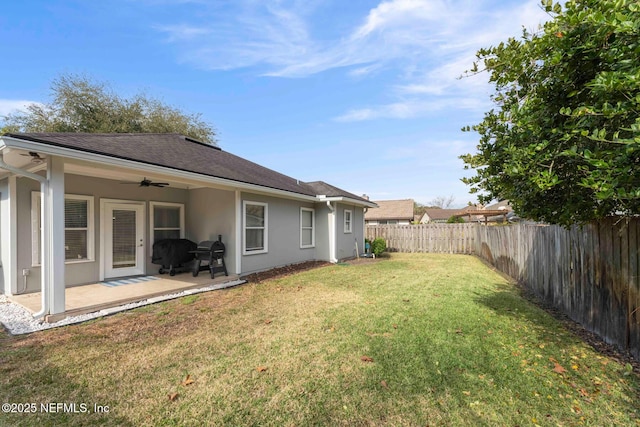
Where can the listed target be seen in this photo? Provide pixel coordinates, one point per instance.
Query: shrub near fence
(431, 238)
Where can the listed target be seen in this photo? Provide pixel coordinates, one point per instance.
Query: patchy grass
(410, 340)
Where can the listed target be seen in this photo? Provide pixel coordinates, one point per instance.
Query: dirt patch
(361, 260)
(283, 271)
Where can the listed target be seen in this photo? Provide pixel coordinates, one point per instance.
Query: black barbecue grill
(173, 255)
(211, 252)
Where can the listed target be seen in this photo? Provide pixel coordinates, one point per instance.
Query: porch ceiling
(97, 170)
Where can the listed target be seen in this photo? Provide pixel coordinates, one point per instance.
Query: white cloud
(8, 106)
(182, 32)
(429, 42)
(416, 107)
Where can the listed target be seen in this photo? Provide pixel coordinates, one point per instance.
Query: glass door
(124, 239)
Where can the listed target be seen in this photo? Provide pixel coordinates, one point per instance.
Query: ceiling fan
(148, 183)
(35, 157)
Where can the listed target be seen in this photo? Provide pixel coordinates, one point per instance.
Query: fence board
(432, 238)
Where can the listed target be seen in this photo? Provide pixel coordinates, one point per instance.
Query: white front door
(123, 239)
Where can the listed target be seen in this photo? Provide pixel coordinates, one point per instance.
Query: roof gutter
(363, 203)
(44, 185)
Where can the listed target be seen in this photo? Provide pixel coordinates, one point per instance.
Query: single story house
(396, 212)
(437, 215)
(83, 208)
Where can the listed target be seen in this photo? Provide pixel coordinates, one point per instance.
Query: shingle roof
(321, 188)
(177, 152)
(391, 209)
(437, 214)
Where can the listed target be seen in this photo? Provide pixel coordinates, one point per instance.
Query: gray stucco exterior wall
(283, 235)
(211, 212)
(86, 271)
(322, 232)
(346, 242)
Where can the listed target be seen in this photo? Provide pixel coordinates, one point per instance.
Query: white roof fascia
(323, 198)
(70, 153)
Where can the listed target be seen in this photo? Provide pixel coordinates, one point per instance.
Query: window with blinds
(78, 228)
(255, 227)
(167, 221)
(307, 225)
(348, 221)
(124, 238)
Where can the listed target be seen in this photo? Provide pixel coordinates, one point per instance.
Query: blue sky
(362, 94)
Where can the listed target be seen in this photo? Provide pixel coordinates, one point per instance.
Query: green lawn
(445, 342)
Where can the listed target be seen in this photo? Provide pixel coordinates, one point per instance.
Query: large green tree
(79, 104)
(563, 141)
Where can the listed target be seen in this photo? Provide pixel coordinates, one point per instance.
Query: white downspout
(332, 233)
(44, 238)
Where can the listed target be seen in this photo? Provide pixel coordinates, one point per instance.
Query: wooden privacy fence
(432, 238)
(591, 272)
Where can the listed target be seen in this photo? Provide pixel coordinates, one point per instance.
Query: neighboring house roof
(391, 209)
(181, 153)
(435, 214)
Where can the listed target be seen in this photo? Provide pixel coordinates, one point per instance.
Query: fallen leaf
(266, 322)
(559, 369)
(188, 380)
(366, 359)
(466, 393)
(406, 300)
(383, 383)
(261, 368)
(173, 396)
(458, 331)
(395, 326)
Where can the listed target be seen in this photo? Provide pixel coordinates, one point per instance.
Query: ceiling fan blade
(147, 183)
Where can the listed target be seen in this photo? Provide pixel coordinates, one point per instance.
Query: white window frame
(348, 225)
(36, 228)
(265, 228)
(312, 228)
(152, 228)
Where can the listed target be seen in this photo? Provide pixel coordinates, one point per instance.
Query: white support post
(9, 244)
(238, 232)
(56, 244)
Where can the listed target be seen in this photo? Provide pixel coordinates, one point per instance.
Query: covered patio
(94, 297)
